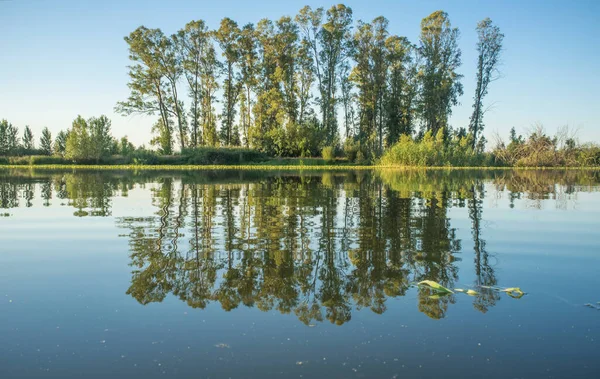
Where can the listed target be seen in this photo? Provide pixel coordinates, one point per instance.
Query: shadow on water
(318, 245)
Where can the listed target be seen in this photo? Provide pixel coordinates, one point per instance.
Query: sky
(60, 59)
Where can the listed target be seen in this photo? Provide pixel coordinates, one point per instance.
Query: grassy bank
(323, 167)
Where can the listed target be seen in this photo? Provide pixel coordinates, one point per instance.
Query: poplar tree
(228, 36)
(194, 45)
(46, 141)
(439, 79)
(28, 143)
(248, 45)
(489, 47)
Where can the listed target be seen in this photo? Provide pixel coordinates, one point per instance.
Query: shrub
(223, 155)
(433, 151)
(47, 159)
(328, 153)
(350, 149)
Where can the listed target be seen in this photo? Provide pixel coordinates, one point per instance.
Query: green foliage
(225, 156)
(434, 285)
(489, 47)
(9, 138)
(163, 139)
(433, 151)
(78, 145)
(125, 147)
(438, 77)
(89, 140)
(28, 144)
(328, 153)
(60, 144)
(46, 141)
(351, 149)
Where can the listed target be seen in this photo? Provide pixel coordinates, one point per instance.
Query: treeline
(91, 142)
(298, 85)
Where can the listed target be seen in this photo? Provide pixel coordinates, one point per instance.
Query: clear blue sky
(59, 58)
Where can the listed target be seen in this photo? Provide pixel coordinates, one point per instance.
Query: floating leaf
(514, 292)
(434, 285)
(468, 292)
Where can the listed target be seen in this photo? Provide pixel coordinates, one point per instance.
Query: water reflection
(318, 245)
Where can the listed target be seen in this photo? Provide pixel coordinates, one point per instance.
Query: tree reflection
(318, 245)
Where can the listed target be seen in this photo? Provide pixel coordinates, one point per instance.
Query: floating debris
(222, 346)
(435, 285)
(469, 292)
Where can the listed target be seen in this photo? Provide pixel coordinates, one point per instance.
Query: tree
(329, 44)
(439, 79)
(28, 143)
(163, 138)
(8, 137)
(228, 36)
(370, 75)
(78, 144)
(101, 141)
(489, 47)
(125, 147)
(60, 143)
(194, 46)
(46, 141)
(153, 79)
(248, 70)
(401, 88)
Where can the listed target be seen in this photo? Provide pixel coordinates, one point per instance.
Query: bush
(47, 159)
(540, 150)
(222, 156)
(360, 158)
(350, 149)
(434, 151)
(328, 153)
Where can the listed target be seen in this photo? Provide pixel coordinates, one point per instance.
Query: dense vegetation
(316, 84)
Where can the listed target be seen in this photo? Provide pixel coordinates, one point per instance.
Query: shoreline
(282, 167)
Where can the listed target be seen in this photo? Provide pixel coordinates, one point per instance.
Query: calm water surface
(312, 274)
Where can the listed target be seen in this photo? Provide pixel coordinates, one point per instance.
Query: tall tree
(78, 144)
(46, 141)
(401, 88)
(60, 143)
(329, 43)
(228, 36)
(489, 47)
(439, 79)
(369, 74)
(305, 78)
(153, 79)
(248, 62)
(334, 39)
(101, 140)
(9, 138)
(194, 44)
(28, 143)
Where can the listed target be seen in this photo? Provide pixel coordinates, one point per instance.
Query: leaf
(434, 285)
(468, 292)
(514, 292)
